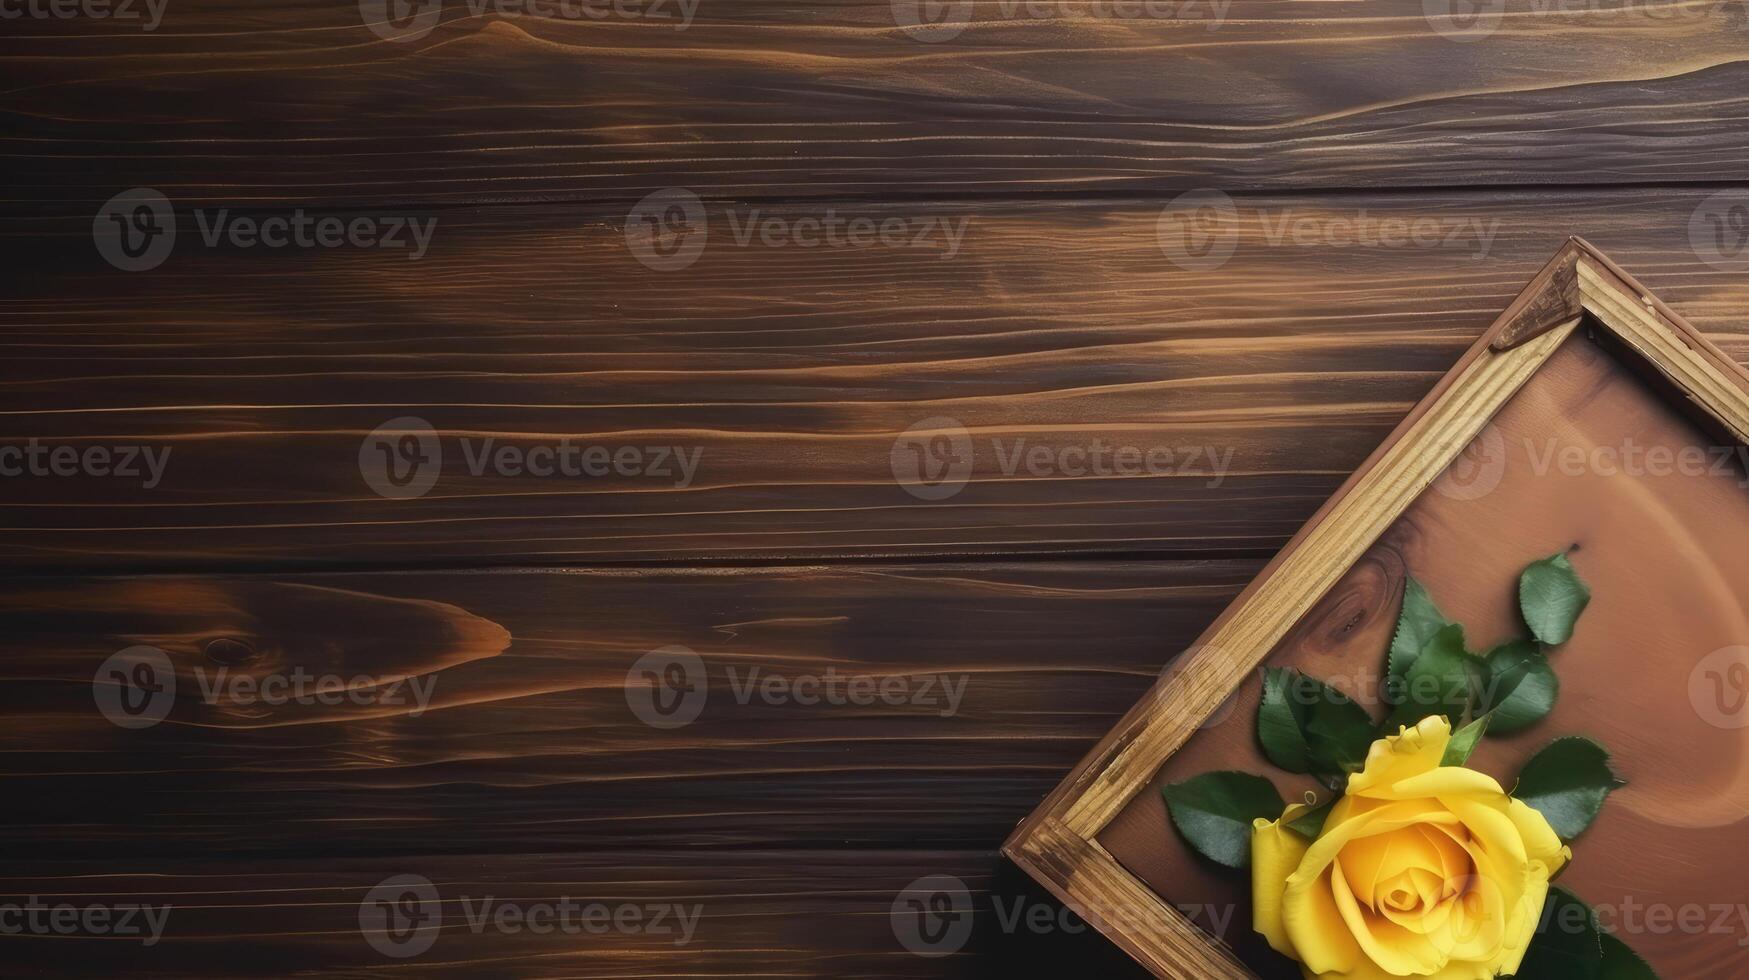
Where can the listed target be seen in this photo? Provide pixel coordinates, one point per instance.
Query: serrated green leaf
(1551, 596)
(1522, 687)
(1311, 823)
(1281, 722)
(1622, 963)
(1463, 741)
(1567, 783)
(1567, 944)
(1307, 726)
(1214, 812)
(1418, 622)
(1443, 680)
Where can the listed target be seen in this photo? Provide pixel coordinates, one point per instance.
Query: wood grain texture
(1057, 319)
(529, 729)
(792, 371)
(1662, 551)
(1414, 460)
(1718, 389)
(757, 913)
(299, 103)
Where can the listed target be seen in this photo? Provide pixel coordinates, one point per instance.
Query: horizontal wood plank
(789, 376)
(799, 913)
(880, 706)
(300, 103)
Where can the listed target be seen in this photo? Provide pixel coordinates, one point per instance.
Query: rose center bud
(1410, 877)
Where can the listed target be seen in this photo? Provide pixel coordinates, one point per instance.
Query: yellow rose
(1421, 870)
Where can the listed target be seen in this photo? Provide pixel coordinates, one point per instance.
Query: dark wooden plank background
(1057, 318)
(529, 729)
(789, 371)
(295, 102)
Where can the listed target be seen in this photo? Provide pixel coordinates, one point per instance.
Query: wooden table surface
(1048, 598)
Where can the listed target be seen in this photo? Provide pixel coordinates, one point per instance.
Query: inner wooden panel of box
(1667, 555)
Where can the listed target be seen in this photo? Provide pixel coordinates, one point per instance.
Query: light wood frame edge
(1057, 845)
(1634, 318)
(1086, 878)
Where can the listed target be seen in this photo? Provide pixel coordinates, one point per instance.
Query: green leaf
(1214, 812)
(1311, 823)
(1306, 726)
(1567, 944)
(1622, 963)
(1341, 734)
(1522, 686)
(1443, 680)
(1416, 625)
(1339, 731)
(1551, 596)
(1567, 783)
(1463, 741)
(1281, 721)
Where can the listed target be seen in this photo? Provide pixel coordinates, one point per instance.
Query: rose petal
(1398, 950)
(1395, 758)
(1275, 852)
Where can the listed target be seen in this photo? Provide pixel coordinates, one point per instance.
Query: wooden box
(1475, 483)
